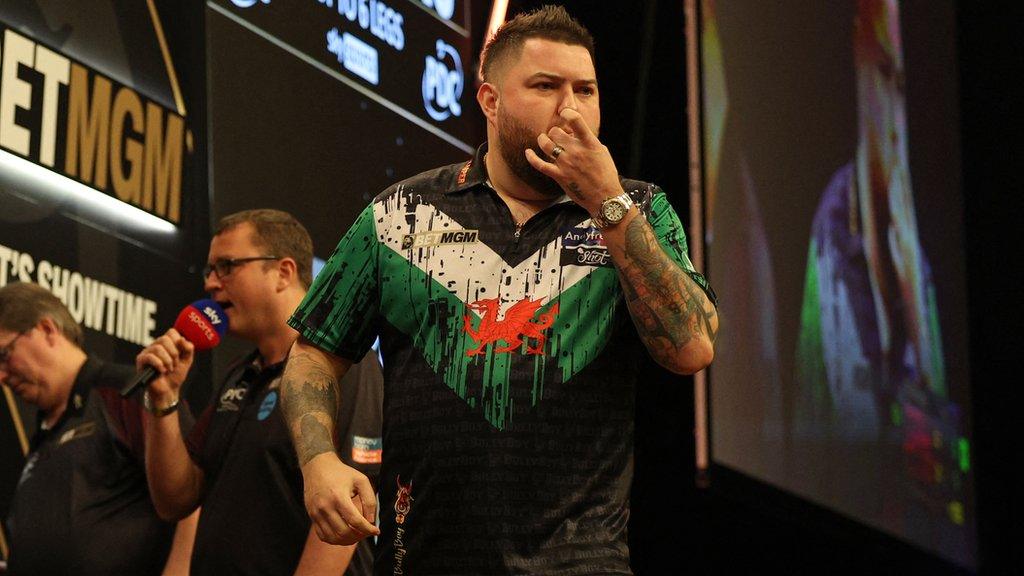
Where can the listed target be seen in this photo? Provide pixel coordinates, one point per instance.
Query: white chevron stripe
(474, 271)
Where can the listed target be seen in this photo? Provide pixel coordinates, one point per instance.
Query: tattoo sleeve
(310, 399)
(668, 307)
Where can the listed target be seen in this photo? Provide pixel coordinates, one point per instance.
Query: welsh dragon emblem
(514, 328)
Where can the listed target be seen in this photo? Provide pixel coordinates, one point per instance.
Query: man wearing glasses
(82, 505)
(238, 462)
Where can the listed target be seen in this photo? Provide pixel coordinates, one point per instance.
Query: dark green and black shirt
(509, 364)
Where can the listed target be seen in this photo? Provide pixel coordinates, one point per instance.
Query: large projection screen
(834, 237)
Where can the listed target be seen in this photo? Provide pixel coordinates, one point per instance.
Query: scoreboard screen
(316, 106)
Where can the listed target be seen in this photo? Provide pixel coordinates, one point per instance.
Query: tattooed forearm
(309, 399)
(668, 307)
(316, 439)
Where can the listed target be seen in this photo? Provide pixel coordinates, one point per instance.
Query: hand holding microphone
(166, 361)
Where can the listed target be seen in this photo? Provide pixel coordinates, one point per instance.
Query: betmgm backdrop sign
(60, 114)
(93, 168)
(92, 303)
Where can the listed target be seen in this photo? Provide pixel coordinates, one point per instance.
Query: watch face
(613, 210)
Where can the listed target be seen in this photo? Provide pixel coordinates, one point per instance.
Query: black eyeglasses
(5, 352)
(225, 266)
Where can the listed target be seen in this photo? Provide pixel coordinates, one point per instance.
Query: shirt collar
(255, 372)
(473, 172)
(83, 383)
(75, 404)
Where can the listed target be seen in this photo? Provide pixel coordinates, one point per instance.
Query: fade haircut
(547, 22)
(23, 305)
(279, 233)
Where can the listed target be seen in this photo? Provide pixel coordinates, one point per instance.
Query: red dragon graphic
(514, 328)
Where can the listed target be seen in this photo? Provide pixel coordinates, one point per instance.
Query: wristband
(158, 412)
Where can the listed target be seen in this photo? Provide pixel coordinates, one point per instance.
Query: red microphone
(202, 323)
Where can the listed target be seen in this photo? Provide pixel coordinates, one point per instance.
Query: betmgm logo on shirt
(431, 239)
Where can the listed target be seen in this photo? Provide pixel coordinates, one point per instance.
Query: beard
(515, 138)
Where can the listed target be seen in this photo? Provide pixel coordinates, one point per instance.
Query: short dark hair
(23, 305)
(547, 22)
(279, 233)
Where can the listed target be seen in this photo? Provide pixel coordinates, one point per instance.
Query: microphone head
(202, 323)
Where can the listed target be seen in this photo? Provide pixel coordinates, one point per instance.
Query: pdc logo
(443, 81)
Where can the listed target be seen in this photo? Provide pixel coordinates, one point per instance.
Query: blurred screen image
(835, 241)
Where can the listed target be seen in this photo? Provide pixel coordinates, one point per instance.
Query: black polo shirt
(510, 364)
(82, 505)
(254, 520)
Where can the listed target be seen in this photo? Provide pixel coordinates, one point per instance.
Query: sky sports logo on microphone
(202, 323)
(212, 314)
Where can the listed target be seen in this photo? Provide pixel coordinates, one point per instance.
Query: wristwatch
(158, 412)
(613, 210)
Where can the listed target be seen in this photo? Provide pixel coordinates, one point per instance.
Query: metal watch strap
(599, 220)
(147, 403)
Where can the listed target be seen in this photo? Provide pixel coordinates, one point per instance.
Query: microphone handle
(141, 379)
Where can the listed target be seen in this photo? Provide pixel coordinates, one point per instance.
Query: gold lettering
(88, 127)
(127, 111)
(162, 174)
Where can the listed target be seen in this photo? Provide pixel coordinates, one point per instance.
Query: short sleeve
(339, 313)
(195, 440)
(672, 237)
